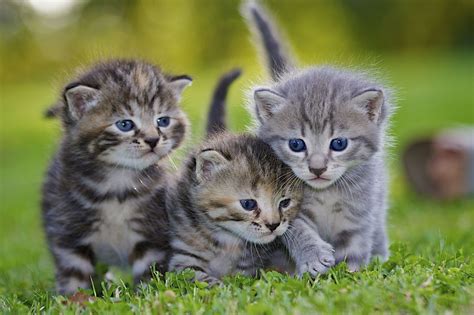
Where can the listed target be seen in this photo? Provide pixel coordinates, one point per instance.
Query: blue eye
(338, 144)
(125, 125)
(163, 121)
(248, 204)
(285, 203)
(297, 145)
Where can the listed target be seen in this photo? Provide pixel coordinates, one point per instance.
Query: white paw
(317, 262)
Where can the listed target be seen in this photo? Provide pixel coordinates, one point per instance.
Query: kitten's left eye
(248, 204)
(338, 144)
(125, 125)
(285, 203)
(163, 121)
(297, 145)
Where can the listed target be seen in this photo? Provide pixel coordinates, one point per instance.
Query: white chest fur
(114, 236)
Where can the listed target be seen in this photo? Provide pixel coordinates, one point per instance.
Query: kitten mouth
(149, 152)
(320, 179)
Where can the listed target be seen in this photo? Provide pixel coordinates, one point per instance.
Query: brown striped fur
(211, 232)
(104, 193)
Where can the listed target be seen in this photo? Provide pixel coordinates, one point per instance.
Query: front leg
(309, 251)
(187, 259)
(144, 256)
(353, 246)
(74, 268)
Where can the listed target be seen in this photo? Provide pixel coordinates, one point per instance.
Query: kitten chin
(104, 193)
(329, 125)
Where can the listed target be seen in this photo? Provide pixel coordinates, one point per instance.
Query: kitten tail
(263, 29)
(216, 121)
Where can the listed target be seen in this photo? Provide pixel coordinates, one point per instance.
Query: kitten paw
(318, 262)
(210, 280)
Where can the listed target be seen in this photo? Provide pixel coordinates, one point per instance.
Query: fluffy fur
(344, 207)
(104, 193)
(211, 232)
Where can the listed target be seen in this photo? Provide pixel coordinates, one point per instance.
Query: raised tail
(275, 51)
(216, 119)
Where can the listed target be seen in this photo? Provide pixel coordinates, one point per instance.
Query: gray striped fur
(104, 192)
(343, 217)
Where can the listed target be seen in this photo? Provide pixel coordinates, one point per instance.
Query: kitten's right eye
(248, 204)
(125, 125)
(297, 145)
(285, 203)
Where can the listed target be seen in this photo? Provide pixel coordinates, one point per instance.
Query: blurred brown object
(442, 167)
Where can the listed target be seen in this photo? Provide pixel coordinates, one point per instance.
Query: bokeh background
(423, 48)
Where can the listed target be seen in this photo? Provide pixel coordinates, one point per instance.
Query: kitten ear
(179, 83)
(208, 162)
(80, 99)
(371, 102)
(267, 103)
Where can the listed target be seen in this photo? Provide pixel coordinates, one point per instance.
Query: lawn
(430, 270)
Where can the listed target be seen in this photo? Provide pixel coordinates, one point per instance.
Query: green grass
(431, 268)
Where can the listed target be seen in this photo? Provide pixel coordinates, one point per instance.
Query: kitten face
(136, 138)
(130, 117)
(250, 194)
(321, 129)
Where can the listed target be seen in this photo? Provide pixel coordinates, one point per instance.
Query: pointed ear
(208, 162)
(179, 83)
(370, 101)
(80, 99)
(267, 103)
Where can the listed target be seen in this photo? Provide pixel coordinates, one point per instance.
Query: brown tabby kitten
(231, 202)
(104, 193)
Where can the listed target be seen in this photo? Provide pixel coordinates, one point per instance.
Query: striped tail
(261, 25)
(216, 119)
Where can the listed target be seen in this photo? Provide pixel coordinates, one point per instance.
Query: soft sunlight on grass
(430, 270)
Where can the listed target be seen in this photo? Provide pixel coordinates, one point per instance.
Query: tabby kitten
(104, 193)
(329, 125)
(229, 205)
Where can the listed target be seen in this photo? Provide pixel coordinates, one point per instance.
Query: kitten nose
(318, 171)
(272, 227)
(151, 142)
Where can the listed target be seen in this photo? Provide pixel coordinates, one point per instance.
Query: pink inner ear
(79, 102)
(372, 109)
(207, 167)
(80, 99)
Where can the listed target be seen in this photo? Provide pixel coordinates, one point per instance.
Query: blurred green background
(424, 49)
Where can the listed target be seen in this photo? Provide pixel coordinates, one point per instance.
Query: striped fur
(343, 214)
(104, 193)
(276, 54)
(211, 232)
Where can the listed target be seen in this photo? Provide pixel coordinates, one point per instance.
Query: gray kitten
(104, 193)
(232, 201)
(329, 125)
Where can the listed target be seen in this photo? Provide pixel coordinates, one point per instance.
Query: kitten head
(125, 113)
(242, 187)
(322, 122)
